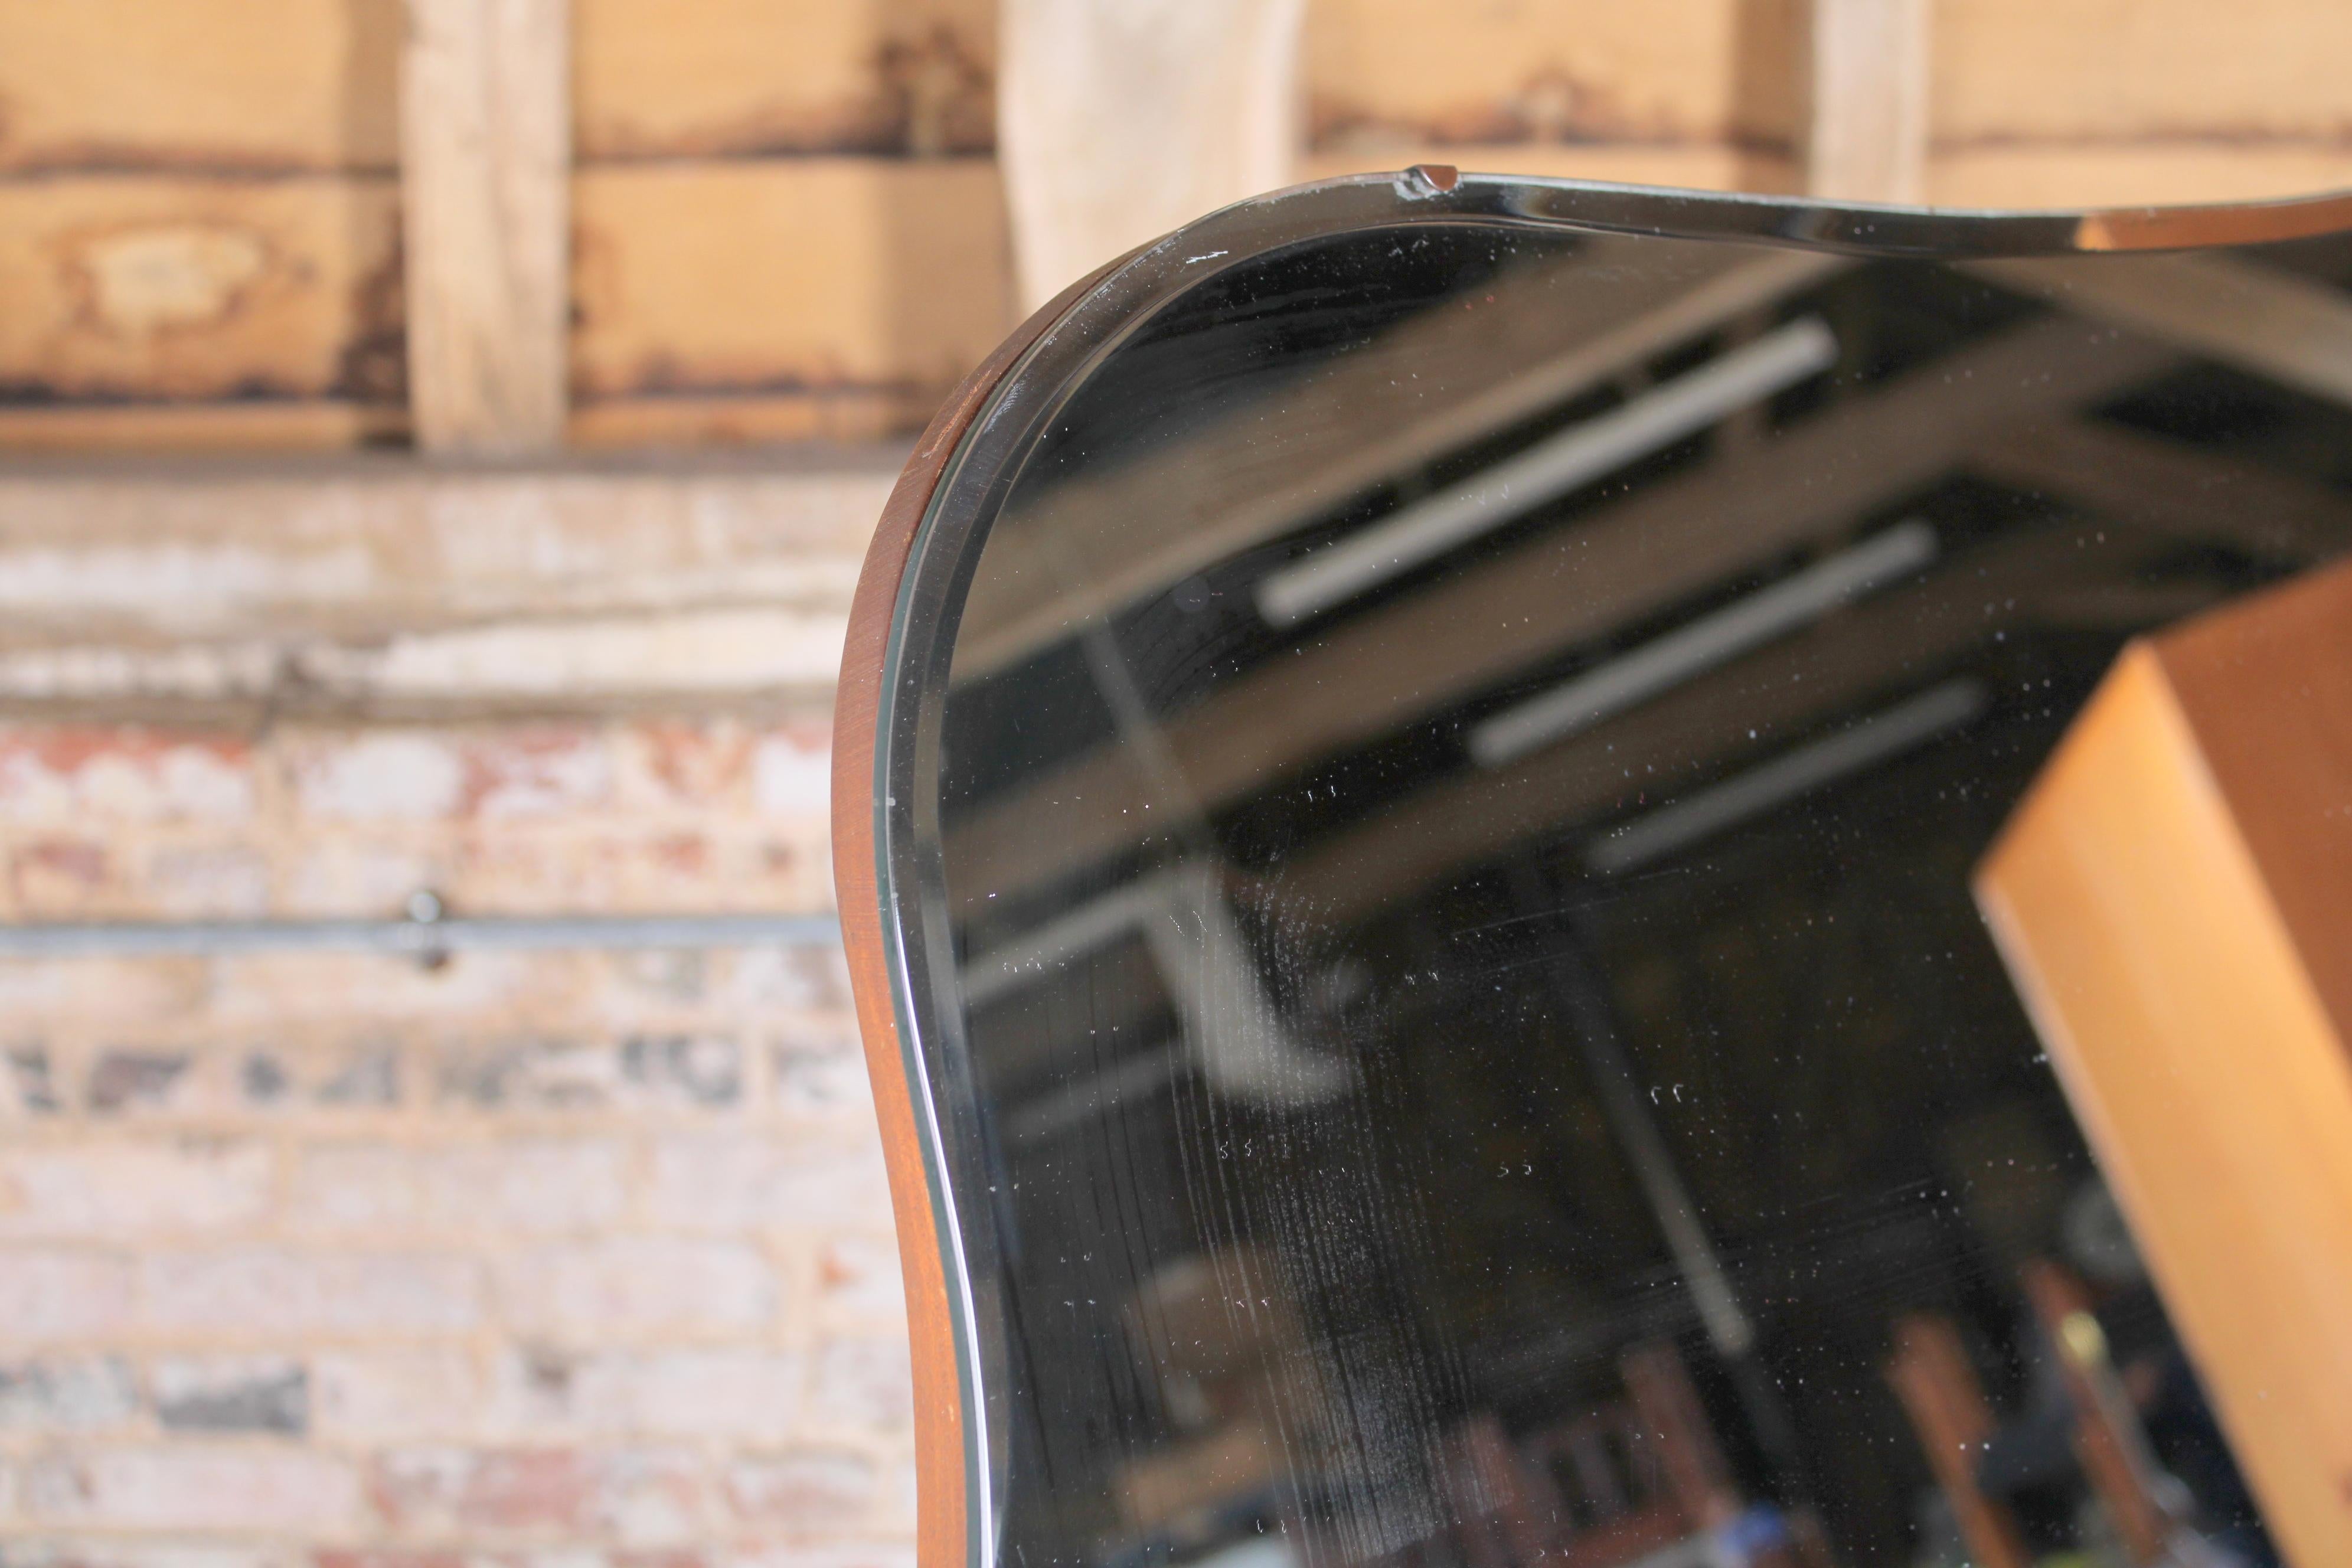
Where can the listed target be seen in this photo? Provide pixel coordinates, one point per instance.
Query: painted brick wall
(347, 1262)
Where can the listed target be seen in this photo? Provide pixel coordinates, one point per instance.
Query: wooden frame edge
(943, 1507)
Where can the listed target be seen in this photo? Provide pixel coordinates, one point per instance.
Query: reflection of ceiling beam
(2275, 324)
(2170, 488)
(1402, 662)
(1743, 711)
(1854, 746)
(1438, 382)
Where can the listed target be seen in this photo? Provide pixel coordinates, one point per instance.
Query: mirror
(1434, 770)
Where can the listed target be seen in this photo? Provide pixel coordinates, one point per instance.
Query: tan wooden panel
(264, 84)
(1500, 71)
(787, 274)
(2142, 174)
(149, 286)
(2141, 68)
(848, 415)
(289, 425)
(2174, 898)
(303, 425)
(774, 275)
(700, 77)
(311, 84)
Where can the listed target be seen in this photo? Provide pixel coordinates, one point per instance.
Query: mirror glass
(1457, 794)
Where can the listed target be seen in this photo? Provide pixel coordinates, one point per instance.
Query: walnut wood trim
(942, 1522)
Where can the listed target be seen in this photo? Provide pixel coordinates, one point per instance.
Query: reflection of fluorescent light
(1493, 497)
(1784, 778)
(1689, 650)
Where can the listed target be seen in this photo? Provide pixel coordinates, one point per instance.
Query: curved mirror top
(1462, 1025)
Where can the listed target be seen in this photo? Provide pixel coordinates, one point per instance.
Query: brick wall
(348, 1261)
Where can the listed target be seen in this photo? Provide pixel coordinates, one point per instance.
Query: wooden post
(2174, 900)
(1866, 126)
(486, 166)
(1120, 120)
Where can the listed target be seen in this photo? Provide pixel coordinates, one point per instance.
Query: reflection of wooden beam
(2174, 899)
(2170, 488)
(2276, 324)
(1399, 664)
(1931, 1376)
(485, 172)
(1539, 336)
(1866, 131)
(1670, 1413)
(1787, 688)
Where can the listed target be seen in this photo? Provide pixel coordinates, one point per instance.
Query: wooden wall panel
(786, 275)
(697, 288)
(218, 84)
(311, 84)
(700, 78)
(1508, 71)
(161, 286)
(2044, 175)
(301, 424)
(175, 224)
(2151, 71)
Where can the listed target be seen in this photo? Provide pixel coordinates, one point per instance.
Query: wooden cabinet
(2174, 899)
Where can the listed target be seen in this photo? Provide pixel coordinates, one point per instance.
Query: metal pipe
(425, 933)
